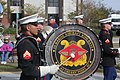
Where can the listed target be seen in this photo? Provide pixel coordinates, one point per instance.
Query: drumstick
(71, 56)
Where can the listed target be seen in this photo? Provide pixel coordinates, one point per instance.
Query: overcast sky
(114, 4)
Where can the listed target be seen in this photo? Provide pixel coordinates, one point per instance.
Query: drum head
(79, 41)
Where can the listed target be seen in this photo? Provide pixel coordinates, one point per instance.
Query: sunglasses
(35, 24)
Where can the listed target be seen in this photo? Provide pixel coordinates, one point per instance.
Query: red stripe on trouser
(44, 77)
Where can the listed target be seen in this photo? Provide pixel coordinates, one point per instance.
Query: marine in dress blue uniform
(109, 54)
(79, 19)
(40, 38)
(29, 55)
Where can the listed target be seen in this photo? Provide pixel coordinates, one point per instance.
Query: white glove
(54, 69)
(48, 69)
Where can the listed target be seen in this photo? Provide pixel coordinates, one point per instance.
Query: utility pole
(22, 7)
(81, 6)
(77, 6)
(8, 12)
(60, 12)
(77, 2)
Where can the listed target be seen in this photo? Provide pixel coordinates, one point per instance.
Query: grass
(12, 67)
(9, 67)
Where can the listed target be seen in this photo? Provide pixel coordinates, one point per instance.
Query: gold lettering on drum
(74, 71)
(90, 44)
(88, 40)
(81, 70)
(84, 37)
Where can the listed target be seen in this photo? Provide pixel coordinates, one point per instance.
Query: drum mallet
(72, 55)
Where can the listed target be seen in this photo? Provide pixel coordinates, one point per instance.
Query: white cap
(79, 17)
(41, 19)
(29, 19)
(107, 20)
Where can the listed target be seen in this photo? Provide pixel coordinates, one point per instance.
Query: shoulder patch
(27, 55)
(107, 41)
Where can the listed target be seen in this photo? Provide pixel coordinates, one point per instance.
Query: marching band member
(79, 19)
(29, 59)
(109, 54)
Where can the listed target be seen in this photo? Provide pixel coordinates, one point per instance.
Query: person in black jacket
(109, 54)
(29, 55)
(40, 38)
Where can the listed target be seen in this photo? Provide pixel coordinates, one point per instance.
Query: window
(15, 2)
(53, 3)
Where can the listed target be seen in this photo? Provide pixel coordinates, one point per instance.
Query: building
(16, 7)
(57, 8)
(15, 10)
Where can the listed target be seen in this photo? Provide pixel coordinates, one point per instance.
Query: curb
(10, 72)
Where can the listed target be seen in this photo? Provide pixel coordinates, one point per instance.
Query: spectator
(6, 49)
(52, 22)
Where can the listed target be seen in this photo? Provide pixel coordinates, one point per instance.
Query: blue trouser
(48, 77)
(109, 72)
(5, 55)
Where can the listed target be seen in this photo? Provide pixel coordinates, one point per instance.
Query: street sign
(17, 17)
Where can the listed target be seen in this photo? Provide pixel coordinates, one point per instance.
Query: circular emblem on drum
(76, 48)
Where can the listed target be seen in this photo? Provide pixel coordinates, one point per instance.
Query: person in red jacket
(6, 49)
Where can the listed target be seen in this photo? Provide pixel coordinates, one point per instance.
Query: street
(15, 76)
(99, 76)
(9, 76)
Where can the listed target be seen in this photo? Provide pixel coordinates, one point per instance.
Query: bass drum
(79, 41)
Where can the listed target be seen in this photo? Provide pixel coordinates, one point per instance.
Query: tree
(71, 15)
(30, 9)
(92, 11)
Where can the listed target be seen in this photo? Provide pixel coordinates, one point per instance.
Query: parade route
(16, 75)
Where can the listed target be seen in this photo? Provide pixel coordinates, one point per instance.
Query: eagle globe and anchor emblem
(79, 41)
